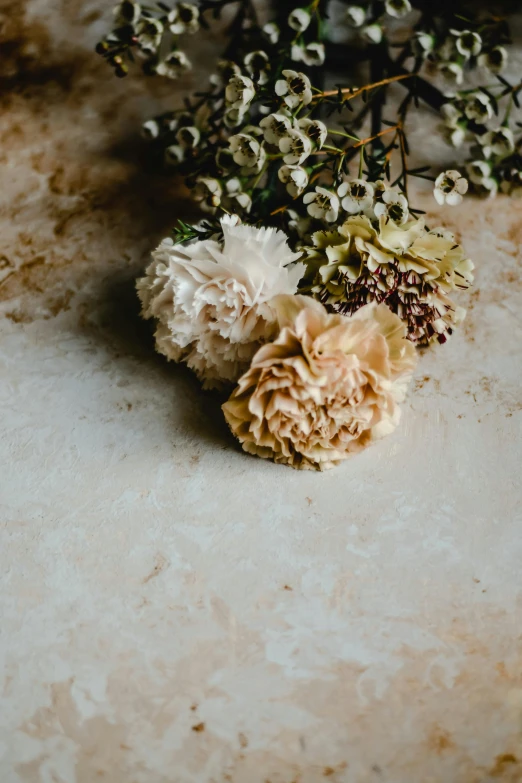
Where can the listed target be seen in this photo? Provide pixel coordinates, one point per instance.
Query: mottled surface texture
(173, 611)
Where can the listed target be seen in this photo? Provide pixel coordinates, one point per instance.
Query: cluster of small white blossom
(494, 163)
(287, 143)
(371, 25)
(152, 32)
(451, 50)
(469, 115)
(458, 51)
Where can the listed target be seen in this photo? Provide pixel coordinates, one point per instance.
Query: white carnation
(212, 301)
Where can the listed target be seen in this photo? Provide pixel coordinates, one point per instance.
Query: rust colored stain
(160, 565)
(505, 765)
(441, 741)
(80, 204)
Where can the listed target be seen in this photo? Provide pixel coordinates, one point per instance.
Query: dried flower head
(409, 268)
(325, 388)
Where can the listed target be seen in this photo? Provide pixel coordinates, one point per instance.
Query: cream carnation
(211, 300)
(325, 388)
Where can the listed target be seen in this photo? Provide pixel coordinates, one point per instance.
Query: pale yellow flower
(406, 266)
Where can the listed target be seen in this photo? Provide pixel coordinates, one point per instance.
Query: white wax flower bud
(208, 191)
(184, 19)
(246, 150)
(356, 196)
(275, 127)
(315, 130)
(173, 65)
(294, 88)
(127, 13)
(373, 33)
(397, 8)
(494, 60)
(467, 42)
(480, 173)
(150, 129)
(239, 92)
(322, 204)
(299, 19)
(312, 54)
(188, 136)
(479, 107)
(450, 187)
(295, 178)
(497, 142)
(174, 154)
(271, 32)
(295, 146)
(355, 15)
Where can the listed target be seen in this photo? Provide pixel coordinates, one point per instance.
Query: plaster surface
(174, 611)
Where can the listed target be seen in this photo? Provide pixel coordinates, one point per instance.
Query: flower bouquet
(310, 281)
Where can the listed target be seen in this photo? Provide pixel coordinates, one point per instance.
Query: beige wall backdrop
(172, 610)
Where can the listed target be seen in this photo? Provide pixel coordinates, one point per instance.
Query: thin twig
(354, 93)
(360, 143)
(400, 131)
(375, 136)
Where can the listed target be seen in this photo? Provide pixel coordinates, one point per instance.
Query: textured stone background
(173, 611)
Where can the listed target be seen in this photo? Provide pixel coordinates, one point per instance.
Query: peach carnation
(326, 387)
